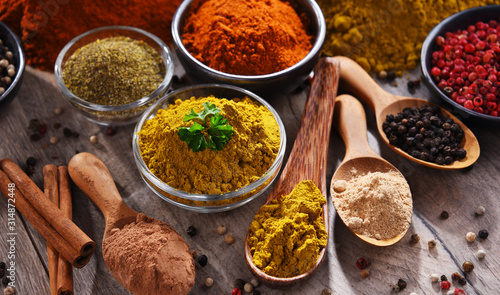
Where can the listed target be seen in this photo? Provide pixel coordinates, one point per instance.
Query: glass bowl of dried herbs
(232, 161)
(113, 74)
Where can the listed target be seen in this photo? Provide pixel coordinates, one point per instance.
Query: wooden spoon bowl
(350, 120)
(354, 79)
(308, 158)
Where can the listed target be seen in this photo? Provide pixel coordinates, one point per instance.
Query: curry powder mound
(245, 158)
(385, 34)
(287, 236)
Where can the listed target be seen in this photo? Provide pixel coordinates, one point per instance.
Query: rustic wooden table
(458, 192)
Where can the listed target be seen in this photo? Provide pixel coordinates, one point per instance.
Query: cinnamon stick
(65, 269)
(51, 190)
(54, 221)
(38, 222)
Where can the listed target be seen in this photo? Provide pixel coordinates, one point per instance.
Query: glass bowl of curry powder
(210, 181)
(113, 74)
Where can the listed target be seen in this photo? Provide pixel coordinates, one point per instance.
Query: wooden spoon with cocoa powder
(350, 120)
(153, 243)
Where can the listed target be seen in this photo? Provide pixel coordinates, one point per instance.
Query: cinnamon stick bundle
(65, 236)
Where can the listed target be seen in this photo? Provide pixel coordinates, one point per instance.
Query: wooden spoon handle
(93, 178)
(358, 82)
(350, 120)
(308, 157)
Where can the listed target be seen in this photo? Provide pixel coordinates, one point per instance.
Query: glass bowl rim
(160, 185)
(164, 85)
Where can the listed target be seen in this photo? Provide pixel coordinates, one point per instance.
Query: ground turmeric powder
(249, 153)
(287, 235)
(385, 34)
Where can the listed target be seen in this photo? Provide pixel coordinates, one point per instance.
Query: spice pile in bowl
(203, 150)
(7, 67)
(465, 67)
(112, 74)
(245, 37)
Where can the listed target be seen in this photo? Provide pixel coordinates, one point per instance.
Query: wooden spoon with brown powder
(359, 157)
(145, 255)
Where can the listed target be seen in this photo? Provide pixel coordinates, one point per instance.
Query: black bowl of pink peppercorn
(10, 43)
(460, 62)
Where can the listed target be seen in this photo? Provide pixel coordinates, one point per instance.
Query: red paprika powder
(47, 25)
(246, 37)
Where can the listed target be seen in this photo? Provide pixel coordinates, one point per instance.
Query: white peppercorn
(480, 210)
(434, 278)
(221, 230)
(229, 239)
(93, 139)
(255, 283)
(9, 54)
(432, 243)
(54, 140)
(364, 273)
(209, 282)
(248, 287)
(481, 254)
(470, 237)
(57, 111)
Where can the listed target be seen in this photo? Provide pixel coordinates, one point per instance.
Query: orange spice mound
(45, 26)
(246, 37)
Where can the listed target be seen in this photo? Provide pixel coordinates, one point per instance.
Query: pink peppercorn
(236, 291)
(459, 291)
(467, 66)
(445, 285)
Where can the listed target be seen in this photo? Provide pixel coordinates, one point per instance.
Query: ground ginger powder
(287, 235)
(245, 158)
(377, 204)
(385, 34)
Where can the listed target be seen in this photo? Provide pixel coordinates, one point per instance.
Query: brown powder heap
(377, 205)
(148, 257)
(246, 37)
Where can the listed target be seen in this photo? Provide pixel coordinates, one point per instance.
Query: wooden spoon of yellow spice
(357, 81)
(143, 254)
(308, 158)
(360, 160)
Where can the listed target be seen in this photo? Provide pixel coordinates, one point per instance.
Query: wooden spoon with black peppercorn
(355, 80)
(350, 120)
(308, 158)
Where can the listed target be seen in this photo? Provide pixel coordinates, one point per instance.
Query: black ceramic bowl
(14, 44)
(279, 82)
(458, 21)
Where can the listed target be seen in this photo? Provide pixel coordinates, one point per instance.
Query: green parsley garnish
(217, 130)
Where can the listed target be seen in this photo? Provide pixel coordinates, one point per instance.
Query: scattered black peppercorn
(444, 278)
(256, 292)
(390, 76)
(34, 125)
(401, 284)
(191, 231)
(57, 125)
(239, 283)
(35, 137)
(444, 215)
(75, 134)
(5, 281)
(3, 265)
(202, 260)
(412, 85)
(30, 170)
(2, 273)
(483, 234)
(434, 138)
(67, 132)
(31, 161)
(462, 281)
(415, 238)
